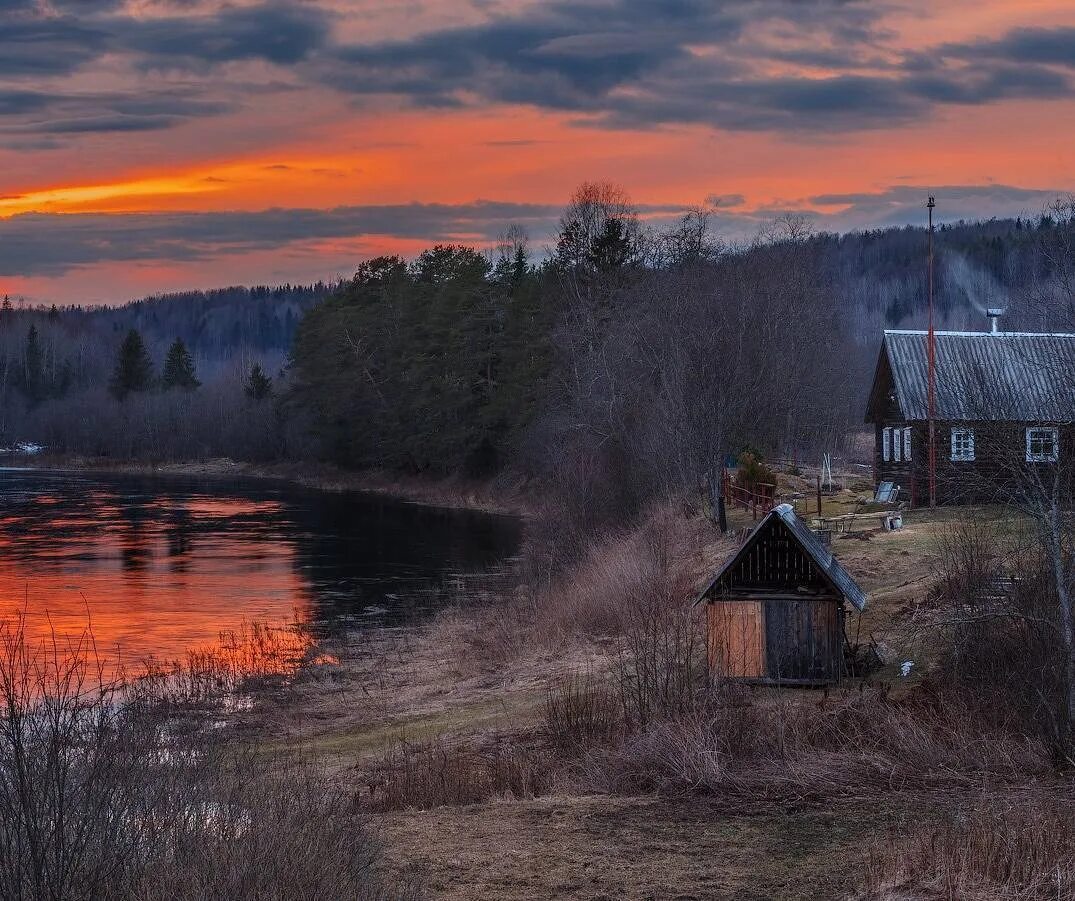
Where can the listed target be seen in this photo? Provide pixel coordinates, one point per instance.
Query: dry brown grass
(438, 773)
(796, 747)
(1014, 852)
(662, 558)
(582, 709)
(210, 675)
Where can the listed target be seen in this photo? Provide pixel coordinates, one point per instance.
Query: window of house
(896, 445)
(886, 444)
(907, 444)
(962, 445)
(1042, 445)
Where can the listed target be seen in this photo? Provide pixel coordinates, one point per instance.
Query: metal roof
(829, 566)
(1018, 376)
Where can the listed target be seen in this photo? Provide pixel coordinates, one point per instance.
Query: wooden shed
(775, 610)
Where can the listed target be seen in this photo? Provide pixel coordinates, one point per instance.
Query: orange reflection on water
(146, 584)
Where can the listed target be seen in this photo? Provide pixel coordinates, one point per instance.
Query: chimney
(994, 314)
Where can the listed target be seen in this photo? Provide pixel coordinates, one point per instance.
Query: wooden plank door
(736, 639)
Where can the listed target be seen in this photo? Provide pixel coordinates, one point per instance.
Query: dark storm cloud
(77, 32)
(1039, 46)
(51, 244)
(607, 63)
(32, 46)
(28, 113)
(35, 45)
(628, 63)
(281, 33)
(42, 244)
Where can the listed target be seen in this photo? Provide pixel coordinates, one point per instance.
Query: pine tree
(134, 368)
(258, 386)
(33, 367)
(179, 368)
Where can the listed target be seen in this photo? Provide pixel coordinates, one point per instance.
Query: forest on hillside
(624, 364)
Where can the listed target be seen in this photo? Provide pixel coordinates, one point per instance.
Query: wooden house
(1004, 405)
(775, 610)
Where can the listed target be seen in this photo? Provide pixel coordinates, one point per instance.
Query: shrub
(752, 471)
(581, 710)
(437, 773)
(1002, 629)
(102, 799)
(968, 559)
(660, 668)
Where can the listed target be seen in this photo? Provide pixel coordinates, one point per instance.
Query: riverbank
(548, 733)
(502, 497)
(485, 746)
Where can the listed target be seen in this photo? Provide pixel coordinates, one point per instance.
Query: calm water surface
(160, 565)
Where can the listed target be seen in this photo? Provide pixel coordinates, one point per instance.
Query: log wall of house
(994, 474)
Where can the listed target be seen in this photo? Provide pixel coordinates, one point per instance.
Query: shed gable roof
(828, 566)
(1016, 376)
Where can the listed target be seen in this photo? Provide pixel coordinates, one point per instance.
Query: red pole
(931, 365)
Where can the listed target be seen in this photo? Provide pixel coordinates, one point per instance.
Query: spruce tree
(179, 368)
(33, 367)
(258, 386)
(134, 368)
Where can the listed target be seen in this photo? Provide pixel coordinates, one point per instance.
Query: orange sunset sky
(154, 145)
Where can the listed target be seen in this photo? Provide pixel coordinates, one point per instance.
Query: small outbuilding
(775, 610)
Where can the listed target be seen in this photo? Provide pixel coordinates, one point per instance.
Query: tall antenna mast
(931, 375)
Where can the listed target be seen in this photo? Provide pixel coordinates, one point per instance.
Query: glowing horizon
(151, 146)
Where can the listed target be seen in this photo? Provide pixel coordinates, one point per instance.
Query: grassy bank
(552, 733)
(552, 738)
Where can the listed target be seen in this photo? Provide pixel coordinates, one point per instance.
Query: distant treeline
(628, 362)
(61, 368)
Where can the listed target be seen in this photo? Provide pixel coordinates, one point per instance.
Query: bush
(752, 471)
(1003, 648)
(581, 710)
(438, 773)
(968, 559)
(657, 563)
(101, 799)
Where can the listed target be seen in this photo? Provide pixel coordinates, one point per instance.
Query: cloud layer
(785, 65)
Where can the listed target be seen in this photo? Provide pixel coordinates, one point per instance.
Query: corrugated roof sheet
(1020, 376)
(830, 567)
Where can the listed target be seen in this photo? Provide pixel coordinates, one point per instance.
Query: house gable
(783, 555)
(884, 402)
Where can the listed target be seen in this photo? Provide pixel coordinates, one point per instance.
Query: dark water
(159, 565)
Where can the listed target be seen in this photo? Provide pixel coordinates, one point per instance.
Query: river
(159, 565)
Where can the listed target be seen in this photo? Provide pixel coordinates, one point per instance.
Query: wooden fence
(760, 498)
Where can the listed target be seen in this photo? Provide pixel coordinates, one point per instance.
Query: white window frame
(907, 443)
(962, 443)
(886, 444)
(1054, 433)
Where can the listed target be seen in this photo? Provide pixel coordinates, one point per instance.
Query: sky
(157, 145)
